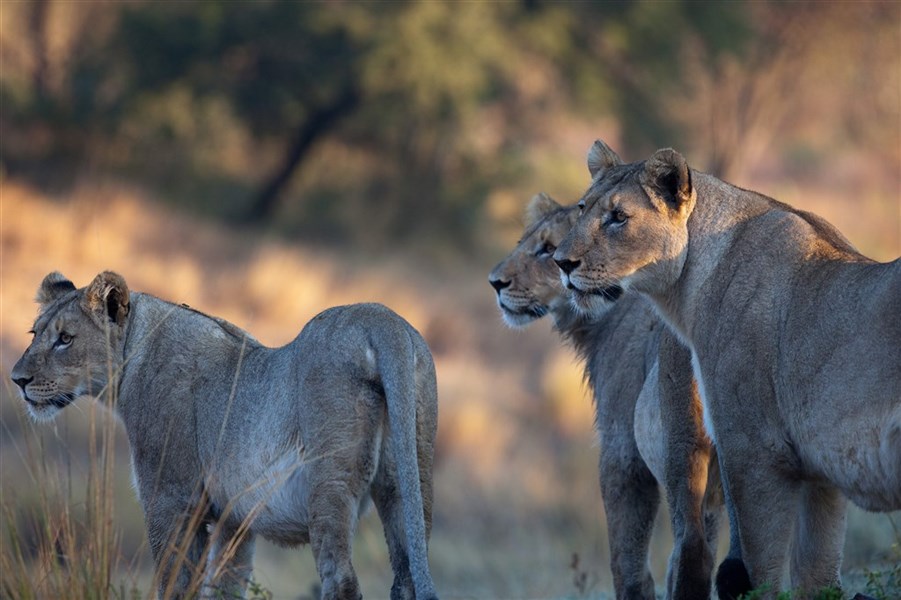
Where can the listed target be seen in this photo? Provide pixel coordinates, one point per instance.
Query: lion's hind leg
(387, 500)
(819, 538)
(765, 502)
(386, 497)
(333, 517)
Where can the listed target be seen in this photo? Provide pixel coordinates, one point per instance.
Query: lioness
(620, 349)
(795, 341)
(285, 443)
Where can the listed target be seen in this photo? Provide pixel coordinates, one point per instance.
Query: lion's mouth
(59, 401)
(535, 312)
(611, 293)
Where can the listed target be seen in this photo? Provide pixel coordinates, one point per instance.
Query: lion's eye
(546, 250)
(616, 217)
(64, 339)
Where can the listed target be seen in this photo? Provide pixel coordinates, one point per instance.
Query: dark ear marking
(601, 157)
(108, 298)
(54, 286)
(112, 306)
(668, 174)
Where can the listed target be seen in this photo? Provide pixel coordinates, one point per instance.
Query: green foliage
(639, 50)
(369, 119)
(271, 61)
(758, 593)
(169, 89)
(256, 591)
(829, 593)
(884, 584)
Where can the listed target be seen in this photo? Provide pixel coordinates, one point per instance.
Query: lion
(795, 342)
(620, 350)
(230, 439)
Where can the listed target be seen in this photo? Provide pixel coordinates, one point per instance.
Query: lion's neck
(575, 327)
(165, 340)
(719, 215)
(590, 335)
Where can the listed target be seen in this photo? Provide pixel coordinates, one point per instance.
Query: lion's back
(350, 324)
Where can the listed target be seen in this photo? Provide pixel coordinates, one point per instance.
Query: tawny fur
(620, 348)
(795, 339)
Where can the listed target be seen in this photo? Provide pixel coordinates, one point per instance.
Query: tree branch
(322, 120)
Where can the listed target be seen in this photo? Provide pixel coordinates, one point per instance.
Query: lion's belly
(862, 458)
(272, 496)
(648, 427)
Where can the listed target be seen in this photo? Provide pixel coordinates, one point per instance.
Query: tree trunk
(37, 28)
(321, 121)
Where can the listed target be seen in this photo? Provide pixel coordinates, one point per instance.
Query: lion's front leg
(178, 540)
(631, 498)
(714, 503)
(230, 563)
(686, 474)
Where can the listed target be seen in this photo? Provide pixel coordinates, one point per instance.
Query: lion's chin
(43, 413)
(519, 318)
(595, 302)
(47, 411)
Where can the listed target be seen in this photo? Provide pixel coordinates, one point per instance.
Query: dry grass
(516, 474)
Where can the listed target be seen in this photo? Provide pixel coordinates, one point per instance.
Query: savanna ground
(518, 511)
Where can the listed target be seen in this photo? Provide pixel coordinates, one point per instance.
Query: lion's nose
(567, 266)
(22, 381)
(498, 284)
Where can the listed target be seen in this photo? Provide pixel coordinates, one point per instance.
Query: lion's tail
(397, 364)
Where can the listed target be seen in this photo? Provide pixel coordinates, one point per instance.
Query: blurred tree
(283, 69)
(37, 25)
(649, 52)
(402, 117)
(404, 77)
(52, 107)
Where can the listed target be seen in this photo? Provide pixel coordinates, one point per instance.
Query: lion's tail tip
(732, 579)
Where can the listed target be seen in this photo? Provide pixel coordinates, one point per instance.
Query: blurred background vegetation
(364, 121)
(265, 160)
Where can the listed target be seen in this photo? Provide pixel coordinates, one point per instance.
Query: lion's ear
(54, 286)
(667, 174)
(540, 206)
(601, 158)
(107, 297)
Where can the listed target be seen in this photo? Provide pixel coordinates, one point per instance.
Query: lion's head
(527, 282)
(632, 230)
(78, 336)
